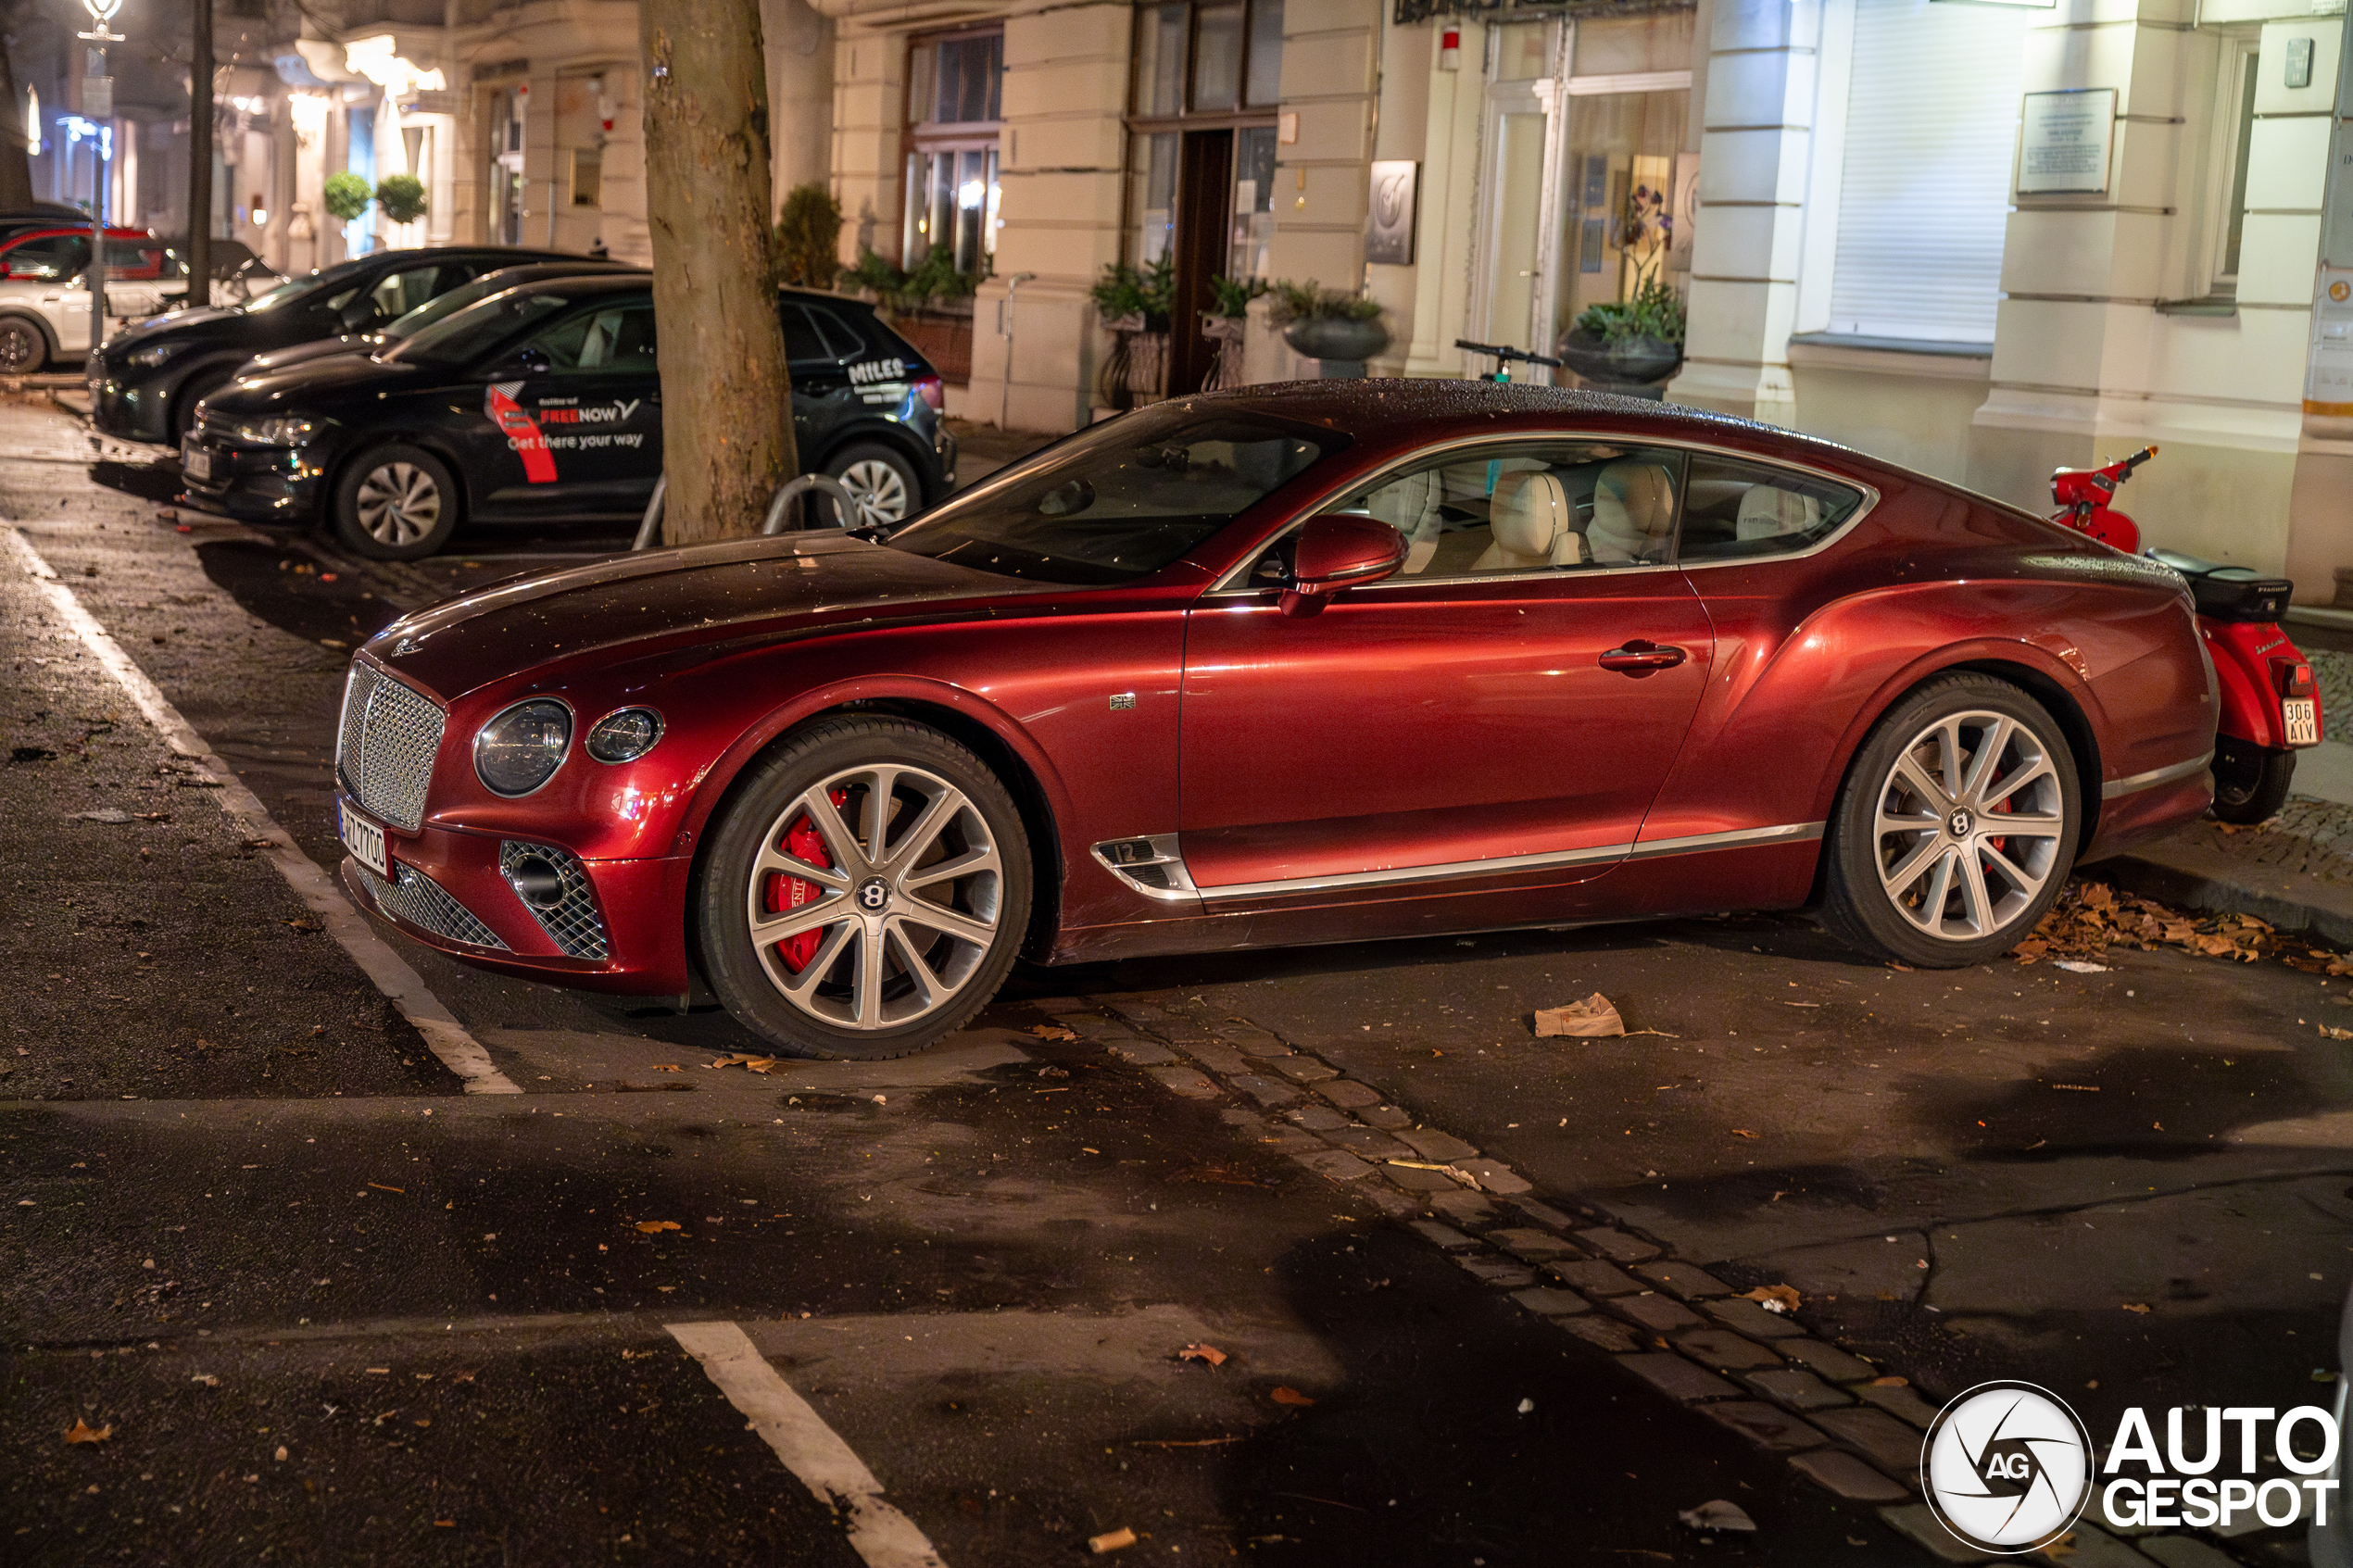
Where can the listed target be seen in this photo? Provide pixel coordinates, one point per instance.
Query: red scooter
(2271, 704)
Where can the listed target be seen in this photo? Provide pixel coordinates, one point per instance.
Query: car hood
(305, 353)
(303, 385)
(661, 601)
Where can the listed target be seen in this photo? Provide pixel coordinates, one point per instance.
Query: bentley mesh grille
(385, 750)
(571, 923)
(424, 903)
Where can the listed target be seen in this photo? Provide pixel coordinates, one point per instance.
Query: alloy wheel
(879, 489)
(20, 346)
(1968, 826)
(398, 504)
(876, 896)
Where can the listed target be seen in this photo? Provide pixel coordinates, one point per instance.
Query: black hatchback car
(145, 383)
(542, 404)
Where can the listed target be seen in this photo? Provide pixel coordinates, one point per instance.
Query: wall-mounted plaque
(1388, 231)
(2064, 142)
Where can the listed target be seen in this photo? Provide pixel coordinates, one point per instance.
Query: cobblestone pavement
(2314, 837)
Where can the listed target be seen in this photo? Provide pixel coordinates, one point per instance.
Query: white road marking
(880, 1535)
(447, 1039)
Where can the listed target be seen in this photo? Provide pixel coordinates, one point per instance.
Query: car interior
(1589, 504)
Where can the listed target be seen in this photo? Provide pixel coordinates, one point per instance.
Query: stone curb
(2199, 878)
(1817, 1407)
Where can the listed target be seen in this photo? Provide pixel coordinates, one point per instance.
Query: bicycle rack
(845, 506)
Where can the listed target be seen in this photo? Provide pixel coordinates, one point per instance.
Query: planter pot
(1343, 345)
(1638, 367)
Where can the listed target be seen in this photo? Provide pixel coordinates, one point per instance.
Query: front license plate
(364, 839)
(194, 461)
(2303, 721)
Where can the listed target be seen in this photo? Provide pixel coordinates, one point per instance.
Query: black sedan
(544, 403)
(145, 383)
(395, 333)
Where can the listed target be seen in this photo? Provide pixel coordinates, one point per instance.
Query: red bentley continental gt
(1304, 663)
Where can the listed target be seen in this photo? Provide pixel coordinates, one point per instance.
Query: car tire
(24, 347)
(2250, 781)
(1913, 871)
(883, 481)
(395, 502)
(879, 961)
(193, 391)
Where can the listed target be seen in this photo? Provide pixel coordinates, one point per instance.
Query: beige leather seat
(1411, 506)
(1633, 512)
(1533, 525)
(1766, 513)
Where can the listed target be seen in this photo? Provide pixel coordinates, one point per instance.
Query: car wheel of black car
(883, 483)
(1955, 828)
(193, 391)
(396, 502)
(2250, 781)
(864, 892)
(23, 347)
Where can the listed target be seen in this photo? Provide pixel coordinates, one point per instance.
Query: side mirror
(1338, 551)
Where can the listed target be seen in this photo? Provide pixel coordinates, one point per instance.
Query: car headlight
(155, 352)
(624, 736)
(272, 430)
(520, 749)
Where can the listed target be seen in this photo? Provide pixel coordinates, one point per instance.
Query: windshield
(1122, 499)
(449, 305)
(476, 328)
(303, 288)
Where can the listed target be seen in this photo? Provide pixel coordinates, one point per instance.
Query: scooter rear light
(930, 390)
(2294, 677)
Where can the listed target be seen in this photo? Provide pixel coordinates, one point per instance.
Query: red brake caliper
(785, 894)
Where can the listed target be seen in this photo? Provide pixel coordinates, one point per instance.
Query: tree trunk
(727, 415)
(16, 166)
(200, 153)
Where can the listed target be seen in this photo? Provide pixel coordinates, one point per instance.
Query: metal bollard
(845, 506)
(651, 528)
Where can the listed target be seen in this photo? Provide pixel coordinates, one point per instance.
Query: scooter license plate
(2303, 721)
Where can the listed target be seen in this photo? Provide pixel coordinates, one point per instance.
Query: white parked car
(44, 291)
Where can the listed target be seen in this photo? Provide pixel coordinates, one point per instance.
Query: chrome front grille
(571, 923)
(386, 747)
(424, 903)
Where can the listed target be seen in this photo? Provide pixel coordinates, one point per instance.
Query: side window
(398, 293)
(1529, 506)
(49, 260)
(806, 341)
(617, 340)
(1736, 511)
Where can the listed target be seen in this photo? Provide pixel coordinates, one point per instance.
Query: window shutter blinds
(1931, 122)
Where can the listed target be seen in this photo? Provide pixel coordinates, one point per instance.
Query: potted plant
(1342, 329)
(1225, 323)
(807, 231)
(346, 196)
(402, 197)
(1135, 304)
(1633, 346)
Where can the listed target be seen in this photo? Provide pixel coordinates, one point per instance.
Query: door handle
(1639, 658)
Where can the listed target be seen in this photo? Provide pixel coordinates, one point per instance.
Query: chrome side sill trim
(1786, 833)
(2153, 777)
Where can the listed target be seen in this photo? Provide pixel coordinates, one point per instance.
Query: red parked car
(1292, 664)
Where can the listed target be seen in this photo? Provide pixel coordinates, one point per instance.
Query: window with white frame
(2233, 139)
(953, 103)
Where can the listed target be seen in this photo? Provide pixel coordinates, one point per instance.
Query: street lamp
(97, 104)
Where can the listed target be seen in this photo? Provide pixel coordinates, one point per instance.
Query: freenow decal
(522, 433)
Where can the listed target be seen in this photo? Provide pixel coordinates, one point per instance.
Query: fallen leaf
(667, 1067)
(1775, 1297)
(210, 1380)
(80, 1431)
(1717, 1515)
(381, 1187)
(1199, 1352)
(653, 1227)
(1287, 1395)
(2079, 1089)
(2140, 1307)
(1743, 1133)
(755, 1063)
(1592, 1019)
(1052, 1032)
(1891, 1383)
(1111, 1540)
(2337, 1033)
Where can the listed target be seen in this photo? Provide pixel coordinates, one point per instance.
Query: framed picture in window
(2064, 142)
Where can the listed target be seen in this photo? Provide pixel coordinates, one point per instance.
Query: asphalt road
(330, 1308)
